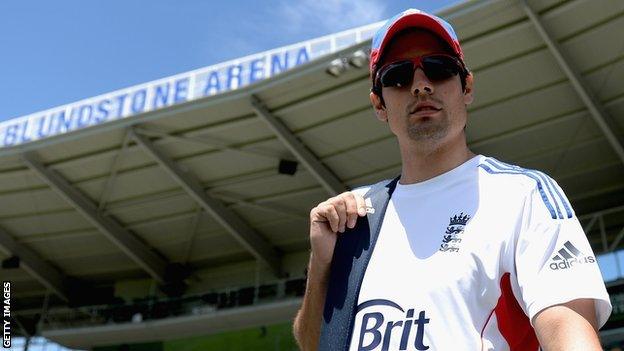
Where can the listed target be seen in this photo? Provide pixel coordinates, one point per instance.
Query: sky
(57, 52)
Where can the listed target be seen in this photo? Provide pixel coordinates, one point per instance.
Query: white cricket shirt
(465, 260)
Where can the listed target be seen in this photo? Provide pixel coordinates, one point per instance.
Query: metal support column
(126, 241)
(47, 275)
(329, 181)
(240, 230)
(597, 111)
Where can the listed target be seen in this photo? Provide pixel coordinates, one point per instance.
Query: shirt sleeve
(553, 260)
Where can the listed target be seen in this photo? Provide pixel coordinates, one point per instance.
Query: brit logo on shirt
(452, 236)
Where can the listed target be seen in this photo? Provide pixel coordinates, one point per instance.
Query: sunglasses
(437, 68)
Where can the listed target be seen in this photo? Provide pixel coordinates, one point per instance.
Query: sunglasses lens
(397, 74)
(438, 68)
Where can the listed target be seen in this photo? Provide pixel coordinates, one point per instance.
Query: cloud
(329, 15)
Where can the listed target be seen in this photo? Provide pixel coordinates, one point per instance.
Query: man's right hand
(329, 218)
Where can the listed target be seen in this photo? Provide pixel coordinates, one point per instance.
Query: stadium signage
(162, 93)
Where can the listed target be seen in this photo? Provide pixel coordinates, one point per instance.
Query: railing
(158, 308)
(611, 264)
(607, 225)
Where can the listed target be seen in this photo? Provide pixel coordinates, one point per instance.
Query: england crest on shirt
(453, 236)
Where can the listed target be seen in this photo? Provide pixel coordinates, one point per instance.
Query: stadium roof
(196, 184)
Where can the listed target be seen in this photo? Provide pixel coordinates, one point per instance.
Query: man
(462, 251)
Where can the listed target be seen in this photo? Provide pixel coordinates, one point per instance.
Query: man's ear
(378, 106)
(469, 89)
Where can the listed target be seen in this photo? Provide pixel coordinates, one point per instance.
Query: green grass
(270, 338)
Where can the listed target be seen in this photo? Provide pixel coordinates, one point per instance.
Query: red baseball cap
(412, 18)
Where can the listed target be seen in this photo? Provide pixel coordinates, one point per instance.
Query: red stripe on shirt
(513, 324)
(485, 325)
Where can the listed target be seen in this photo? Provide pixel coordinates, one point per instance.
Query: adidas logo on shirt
(568, 256)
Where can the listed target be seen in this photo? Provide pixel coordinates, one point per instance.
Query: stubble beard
(429, 130)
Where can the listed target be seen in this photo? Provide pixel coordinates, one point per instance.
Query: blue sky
(56, 52)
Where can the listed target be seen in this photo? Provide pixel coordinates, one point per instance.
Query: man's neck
(421, 163)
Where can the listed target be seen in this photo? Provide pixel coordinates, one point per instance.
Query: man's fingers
(341, 211)
(330, 212)
(352, 212)
(361, 205)
(326, 212)
(341, 207)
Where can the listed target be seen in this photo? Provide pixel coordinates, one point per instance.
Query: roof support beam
(126, 241)
(603, 212)
(218, 144)
(330, 182)
(616, 240)
(47, 275)
(597, 111)
(241, 231)
(603, 234)
(591, 223)
(110, 182)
